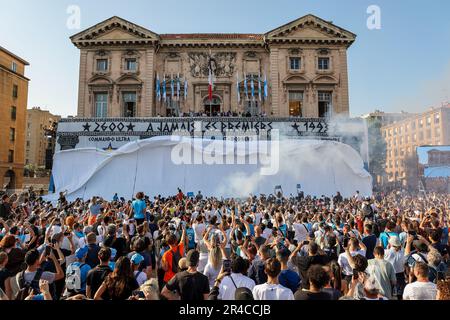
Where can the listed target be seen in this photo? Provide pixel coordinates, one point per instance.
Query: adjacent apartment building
(36, 141)
(298, 69)
(13, 105)
(403, 137)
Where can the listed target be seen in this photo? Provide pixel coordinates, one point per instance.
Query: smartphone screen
(226, 265)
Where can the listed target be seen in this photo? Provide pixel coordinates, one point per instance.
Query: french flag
(210, 84)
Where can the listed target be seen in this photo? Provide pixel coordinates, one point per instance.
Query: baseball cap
(395, 241)
(192, 258)
(81, 252)
(137, 259)
(243, 293)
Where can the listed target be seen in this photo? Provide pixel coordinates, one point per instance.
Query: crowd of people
(388, 246)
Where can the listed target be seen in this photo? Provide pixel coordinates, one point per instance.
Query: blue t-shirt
(112, 265)
(289, 279)
(283, 229)
(190, 233)
(444, 238)
(384, 238)
(252, 229)
(95, 209)
(84, 272)
(138, 209)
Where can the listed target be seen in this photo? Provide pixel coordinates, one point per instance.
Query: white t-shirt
(211, 273)
(420, 291)
(266, 233)
(227, 288)
(396, 258)
(301, 232)
(268, 291)
(199, 229)
(345, 265)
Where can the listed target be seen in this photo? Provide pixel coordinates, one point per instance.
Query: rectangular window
(437, 118)
(295, 63)
(324, 104)
(324, 63)
(101, 105)
(129, 104)
(13, 113)
(14, 66)
(11, 156)
(421, 123)
(15, 92)
(102, 64)
(295, 103)
(428, 121)
(130, 64)
(28, 143)
(12, 134)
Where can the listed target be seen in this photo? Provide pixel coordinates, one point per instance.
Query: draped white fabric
(321, 167)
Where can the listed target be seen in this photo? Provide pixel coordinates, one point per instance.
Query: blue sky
(422, 152)
(403, 66)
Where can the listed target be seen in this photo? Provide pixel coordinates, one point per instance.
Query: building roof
(201, 36)
(324, 31)
(14, 56)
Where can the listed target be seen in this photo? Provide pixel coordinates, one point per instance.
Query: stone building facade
(430, 128)
(36, 142)
(304, 62)
(13, 106)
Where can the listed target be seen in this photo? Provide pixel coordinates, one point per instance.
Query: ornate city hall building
(298, 69)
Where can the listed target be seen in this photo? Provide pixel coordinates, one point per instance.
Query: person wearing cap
(76, 273)
(189, 285)
(136, 265)
(383, 271)
(371, 290)
(97, 275)
(272, 289)
(396, 256)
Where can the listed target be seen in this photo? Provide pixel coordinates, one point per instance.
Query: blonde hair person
(151, 289)
(216, 255)
(443, 289)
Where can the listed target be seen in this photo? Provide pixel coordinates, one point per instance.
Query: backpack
(437, 273)
(25, 286)
(176, 256)
(73, 277)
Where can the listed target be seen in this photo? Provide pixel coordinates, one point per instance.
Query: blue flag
(245, 86)
(252, 86)
(266, 88)
(164, 89)
(172, 89)
(158, 88)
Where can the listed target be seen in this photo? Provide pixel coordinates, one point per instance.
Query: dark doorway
(9, 180)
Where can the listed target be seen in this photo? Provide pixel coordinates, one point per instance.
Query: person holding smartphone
(33, 273)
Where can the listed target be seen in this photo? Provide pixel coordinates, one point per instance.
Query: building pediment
(310, 29)
(114, 31)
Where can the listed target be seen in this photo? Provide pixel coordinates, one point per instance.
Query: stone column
(82, 86)
(148, 104)
(343, 107)
(275, 84)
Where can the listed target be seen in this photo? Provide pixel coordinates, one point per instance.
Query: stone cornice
(94, 36)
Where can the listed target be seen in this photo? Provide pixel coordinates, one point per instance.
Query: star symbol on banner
(87, 126)
(109, 148)
(296, 126)
(130, 127)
